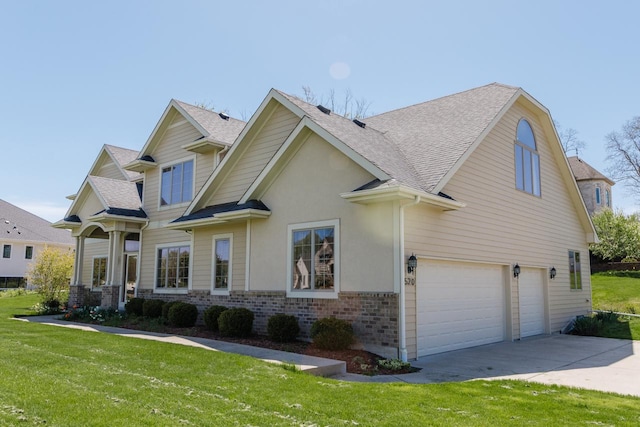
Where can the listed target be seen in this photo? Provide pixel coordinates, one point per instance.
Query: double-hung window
(172, 266)
(221, 263)
(314, 259)
(527, 160)
(176, 183)
(99, 274)
(28, 252)
(6, 251)
(575, 272)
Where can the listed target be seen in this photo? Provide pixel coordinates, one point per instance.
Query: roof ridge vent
(223, 116)
(359, 123)
(323, 109)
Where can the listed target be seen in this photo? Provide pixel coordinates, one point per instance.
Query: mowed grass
(619, 294)
(64, 377)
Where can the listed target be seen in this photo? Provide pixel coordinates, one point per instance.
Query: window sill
(224, 292)
(171, 291)
(313, 294)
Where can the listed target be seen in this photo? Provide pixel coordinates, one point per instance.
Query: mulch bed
(357, 361)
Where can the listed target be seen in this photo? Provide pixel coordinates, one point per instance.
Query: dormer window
(527, 160)
(177, 183)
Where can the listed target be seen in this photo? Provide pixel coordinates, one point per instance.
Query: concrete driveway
(603, 364)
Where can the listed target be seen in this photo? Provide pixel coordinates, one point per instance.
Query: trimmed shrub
(166, 307)
(211, 316)
(236, 322)
(283, 328)
(183, 315)
(330, 333)
(152, 308)
(134, 306)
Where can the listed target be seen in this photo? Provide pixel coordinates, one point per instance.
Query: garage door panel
(459, 305)
(532, 313)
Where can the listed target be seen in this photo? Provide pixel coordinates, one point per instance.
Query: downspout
(402, 305)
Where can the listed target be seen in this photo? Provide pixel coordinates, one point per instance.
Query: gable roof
(121, 157)
(215, 127)
(18, 224)
(583, 171)
(436, 134)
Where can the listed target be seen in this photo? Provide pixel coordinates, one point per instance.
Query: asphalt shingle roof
(18, 224)
(210, 211)
(124, 156)
(222, 130)
(584, 171)
(117, 193)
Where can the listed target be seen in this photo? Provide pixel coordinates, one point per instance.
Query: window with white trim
(575, 272)
(99, 272)
(28, 252)
(313, 258)
(527, 160)
(6, 251)
(176, 183)
(222, 253)
(172, 266)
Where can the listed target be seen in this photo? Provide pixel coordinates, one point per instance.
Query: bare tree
(348, 106)
(569, 139)
(624, 153)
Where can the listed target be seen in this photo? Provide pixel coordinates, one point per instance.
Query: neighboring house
(22, 236)
(595, 188)
(443, 225)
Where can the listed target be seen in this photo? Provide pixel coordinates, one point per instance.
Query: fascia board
(400, 193)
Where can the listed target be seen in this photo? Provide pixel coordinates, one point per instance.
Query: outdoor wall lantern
(552, 273)
(412, 263)
(516, 270)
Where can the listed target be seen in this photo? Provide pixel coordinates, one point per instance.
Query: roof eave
(204, 145)
(219, 218)
(65, 225)
(107, 216)
(400, 193)
(140, 165)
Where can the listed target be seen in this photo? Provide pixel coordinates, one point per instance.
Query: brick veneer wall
(374, 315)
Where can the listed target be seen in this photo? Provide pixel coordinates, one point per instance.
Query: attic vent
(324, 109)
(359, 123)
(223, 116)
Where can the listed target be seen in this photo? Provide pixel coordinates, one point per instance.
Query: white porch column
(78, 261)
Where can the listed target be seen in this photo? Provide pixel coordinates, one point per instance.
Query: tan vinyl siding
(90, 206)
(411, 321)
(366, 231)
(503, 225)
(167, 152)
(258, 154)
(203, 255)
(110, 170)
(92, 248)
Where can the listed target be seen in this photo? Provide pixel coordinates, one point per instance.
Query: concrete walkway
(602, 364)
(311, 364)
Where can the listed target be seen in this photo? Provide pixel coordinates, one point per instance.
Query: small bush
(211, 316)
(393, 364)
(607, 316)
(152, 308)
(52, 305)
(183, 315)
(587, 325)
(330, 333)
(134, 306)
(166, 307)
(236, 322)
(283, 328)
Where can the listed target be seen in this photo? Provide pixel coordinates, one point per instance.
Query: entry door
(130, 277)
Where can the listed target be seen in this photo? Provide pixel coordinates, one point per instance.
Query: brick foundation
(110, 296)
(76, 295)
(374, 315)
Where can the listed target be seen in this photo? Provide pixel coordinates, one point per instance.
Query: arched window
(527, 160)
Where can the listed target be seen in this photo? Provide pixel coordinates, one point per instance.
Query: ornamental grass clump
(330, 333)
(152, 308)
(283, 328)
(183, 315)
(236, 322)
(587, 326)
(211, 316)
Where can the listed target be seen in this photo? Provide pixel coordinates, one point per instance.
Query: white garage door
(531, 287)
(458, 305)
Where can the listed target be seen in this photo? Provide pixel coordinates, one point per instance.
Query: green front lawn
(68, 377)
(615, 293)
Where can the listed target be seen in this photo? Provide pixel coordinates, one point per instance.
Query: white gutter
(402, 305)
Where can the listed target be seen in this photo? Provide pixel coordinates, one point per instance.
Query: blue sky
(75, 75)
